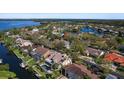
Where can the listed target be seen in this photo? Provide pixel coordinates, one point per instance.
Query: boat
(1, 61)
(22, 65)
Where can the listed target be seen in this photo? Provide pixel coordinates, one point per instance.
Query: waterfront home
(35, 55)
(43, 52)
(25, 49)
(23, 43)
(75, 71)
(59, 58)
(94, 52)
(114, 57)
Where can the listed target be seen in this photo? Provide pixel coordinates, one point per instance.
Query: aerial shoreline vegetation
(57, 48)
(5, 73)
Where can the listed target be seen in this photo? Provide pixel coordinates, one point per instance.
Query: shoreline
(12, 53)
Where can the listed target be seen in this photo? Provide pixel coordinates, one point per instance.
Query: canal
(14, 64)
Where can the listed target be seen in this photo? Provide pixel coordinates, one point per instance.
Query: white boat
(22, 65)
(1, 61)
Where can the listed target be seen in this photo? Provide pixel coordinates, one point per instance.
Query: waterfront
(14, 64)
(46, 50)
(7, 25)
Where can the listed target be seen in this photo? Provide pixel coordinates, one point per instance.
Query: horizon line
(62, 16)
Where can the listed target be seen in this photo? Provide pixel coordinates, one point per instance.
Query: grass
(38, 71)
(7, 74)
(28, 60)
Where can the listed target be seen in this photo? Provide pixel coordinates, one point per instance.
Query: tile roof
(94, 51)
(80, 70)
(56, 56)
(41, 50)
(114, 57)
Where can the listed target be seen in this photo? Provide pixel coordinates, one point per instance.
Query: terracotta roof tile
(114, 57)
(41, 50)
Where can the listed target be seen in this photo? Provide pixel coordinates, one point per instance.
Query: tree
(121, 68)
(120, 40)
(112, 43)
(55, 66)
(78, 46)
(55, 74)
(99, 60)
(74, 56)
(58, 44)
(15, 31)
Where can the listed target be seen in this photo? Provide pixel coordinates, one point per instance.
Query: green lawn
(27, 59)
(7, 74)
(38, 71)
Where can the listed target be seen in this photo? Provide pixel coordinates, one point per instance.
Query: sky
(62, 15)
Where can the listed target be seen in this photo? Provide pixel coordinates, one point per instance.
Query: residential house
(23, 43)
(67, 60)
(94, 52)
(39, 52)
(75, 71)
(59, 58)
(114, 57)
